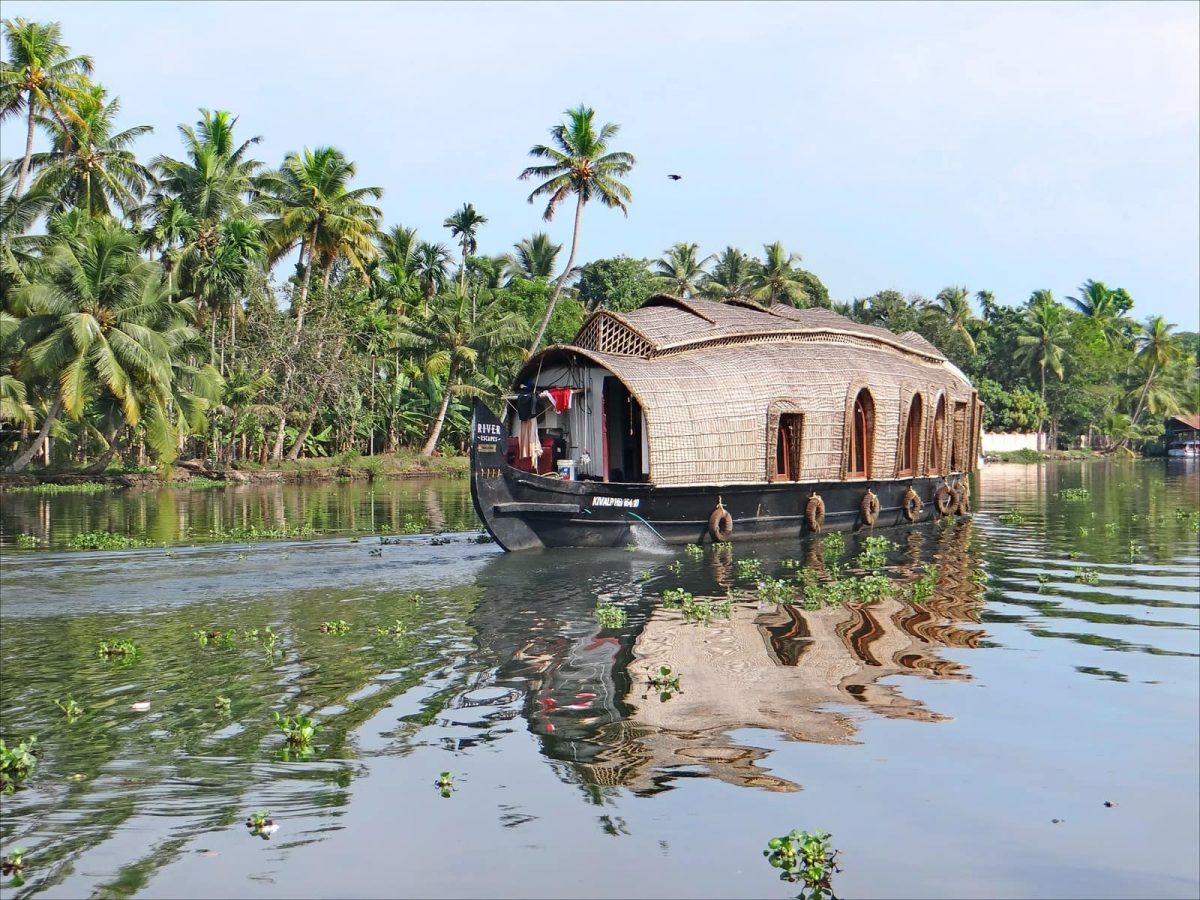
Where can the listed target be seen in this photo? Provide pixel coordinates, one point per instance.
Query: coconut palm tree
(459, 335)
(679, 269)
(100, 321)
(464, 224)
(89, 165)
(314, 208)
(580, 163)
(956, 307)
(39, 78)
(535, 256)
(732, 276)
(1157, 348)
(776, 279)
(1044, 338)
(1106, 308)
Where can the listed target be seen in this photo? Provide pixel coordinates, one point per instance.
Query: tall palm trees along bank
(207, 303)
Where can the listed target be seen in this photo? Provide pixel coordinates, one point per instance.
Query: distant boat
(1189, 449)
(690, 420)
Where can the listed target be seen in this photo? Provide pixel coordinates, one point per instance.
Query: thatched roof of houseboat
(713, 378)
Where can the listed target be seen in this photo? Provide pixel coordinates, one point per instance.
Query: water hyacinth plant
(16, 763)
(610, 616)
(1079, 493)
(261, 824)
(298, 730)
(775, 590)
(117, 648)
(340, 626)
(70, 708)
(804, 857)
(444, 784)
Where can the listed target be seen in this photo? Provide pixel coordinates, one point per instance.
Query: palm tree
(680, 270)
(463, 224)
(956, 307)
(100, 321)
(580, 164)
(432, 267)
(39, 78)
(732, 276)
(1042, 343)
(776, 279)
(459, 336)
(316, 209)
(89, 166)
(535, 256)
(1104, 307)
(1157, 349)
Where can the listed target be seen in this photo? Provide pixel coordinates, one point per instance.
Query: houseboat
(690, 421)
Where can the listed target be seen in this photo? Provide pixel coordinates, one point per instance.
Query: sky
(1007, 147)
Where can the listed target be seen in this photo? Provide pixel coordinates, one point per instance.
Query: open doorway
(623, 459)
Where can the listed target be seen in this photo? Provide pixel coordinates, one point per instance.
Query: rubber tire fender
(814, 513)
(720, 524)
(944, 499)
(912, 505)
(869, 507)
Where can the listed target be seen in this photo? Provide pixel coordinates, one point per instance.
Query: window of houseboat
(788, 436)
(938, 439)
(862, 436)
(911, 447)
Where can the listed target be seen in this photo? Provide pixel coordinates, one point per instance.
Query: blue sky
(1007, 147)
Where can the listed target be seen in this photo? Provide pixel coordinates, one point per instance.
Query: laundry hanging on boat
(528, 444)
(560, 397)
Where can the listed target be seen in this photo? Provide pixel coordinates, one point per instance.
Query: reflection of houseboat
(697, 419)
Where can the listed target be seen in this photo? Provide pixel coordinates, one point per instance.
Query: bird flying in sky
(674, 177)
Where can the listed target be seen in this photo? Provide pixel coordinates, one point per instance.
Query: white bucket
(566, 469)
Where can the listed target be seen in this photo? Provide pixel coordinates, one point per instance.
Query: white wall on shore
(1006, 443)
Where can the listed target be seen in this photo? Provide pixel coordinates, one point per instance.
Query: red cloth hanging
(561, 398)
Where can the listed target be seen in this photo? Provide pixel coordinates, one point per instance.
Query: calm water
(938, 743)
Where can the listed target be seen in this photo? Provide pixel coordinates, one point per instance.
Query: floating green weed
(222, 704)
(722, 546)
(1084, 531)
(16, 763)
(665, 682)
(675, 567)
(922, 588)
(251, 533)
(1087, 576)
(105, 540)
(870, 588)
(261, 824)
(82, 487)
(703, 611)
(610, 616)
(297, 730)
(775, 590)
(1013, 518)
(70, 708)
(444, 784)
(199, 482)
(801, 856)
(874, 552)
(833, 544)
(215, 636)
(340, 626)
(118, 648)
(674, 598)
(748, 568)
(694, 550)
(13, 864)
(28, 542)
(396, 629)
(1110, 528)
(1079, 493)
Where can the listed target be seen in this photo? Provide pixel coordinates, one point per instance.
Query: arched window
(862, 436)
(937, 440)
(911, 448)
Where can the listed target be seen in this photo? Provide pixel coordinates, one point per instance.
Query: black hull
(523, 511)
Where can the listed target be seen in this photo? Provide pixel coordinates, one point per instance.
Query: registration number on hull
(620, 502)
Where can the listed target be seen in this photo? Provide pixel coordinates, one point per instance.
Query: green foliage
(703, 611)
(610, 616)
(675, 598)
(748, 568)
(771, 590)
(921, 589)
(695, 551)
(81, 487)
(1012, 517)
(70, 708)
(298, 731)
(1087, 576)
(874, 552)
(105, 540)
(16, 763)
(833, 545)
(444, 784)
(618, 283)
(261, 824)
(804, 857)
(1079, 493)
(117, 648)
(27, 542)
(222, 704)
(340, 626)
(395, 630)
(1017, 410)
(665, 681)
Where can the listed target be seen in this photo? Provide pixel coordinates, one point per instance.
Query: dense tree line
(140, 314)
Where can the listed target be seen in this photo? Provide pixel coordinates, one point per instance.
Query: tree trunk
(28, 153)
(298, 445)
(307, 266)
(23, 459)
(1137, 412)
(1042, 424)
(114, 447)
(435, 429)
(277, 451)
(562, 280)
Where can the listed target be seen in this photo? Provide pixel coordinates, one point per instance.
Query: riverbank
(1040, 456)
(404, 464)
